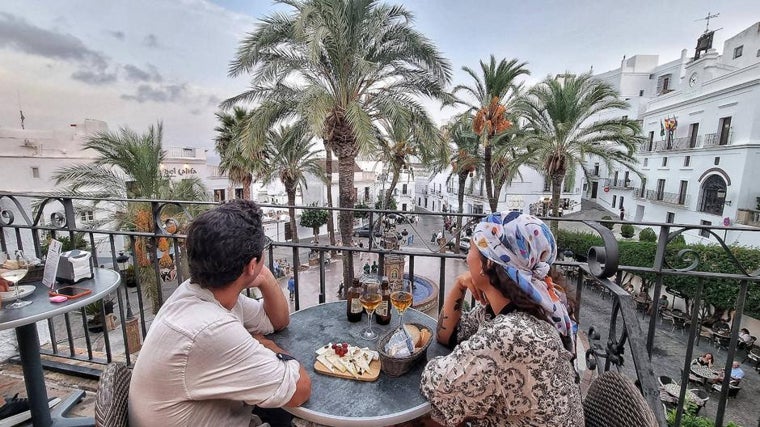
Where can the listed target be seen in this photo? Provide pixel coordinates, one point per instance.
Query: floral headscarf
(525, 247)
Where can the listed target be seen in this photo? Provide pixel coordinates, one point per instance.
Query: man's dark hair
(223, 240)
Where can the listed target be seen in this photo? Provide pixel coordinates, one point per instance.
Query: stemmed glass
(402, 299)
(14, 276)
(370, 299)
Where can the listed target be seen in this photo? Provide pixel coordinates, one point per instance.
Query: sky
(133, 63)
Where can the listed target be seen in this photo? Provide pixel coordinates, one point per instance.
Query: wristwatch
(285, 357)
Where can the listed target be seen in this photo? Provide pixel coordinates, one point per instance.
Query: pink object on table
(58, 298)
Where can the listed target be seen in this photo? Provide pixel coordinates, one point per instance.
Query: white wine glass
(402, 299)
(370, 299)
(14, 276)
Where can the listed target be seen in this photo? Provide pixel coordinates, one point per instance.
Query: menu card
(51, 263)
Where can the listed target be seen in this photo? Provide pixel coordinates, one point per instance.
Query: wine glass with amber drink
(370, 299)
(402, 299)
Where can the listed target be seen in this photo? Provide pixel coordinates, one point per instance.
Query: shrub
(607, 224)
(627, 231)
(647, 235)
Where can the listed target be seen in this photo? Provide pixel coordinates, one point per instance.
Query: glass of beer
(402, 299)
(370, 299)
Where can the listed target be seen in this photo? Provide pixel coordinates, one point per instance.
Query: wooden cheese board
(371, 375)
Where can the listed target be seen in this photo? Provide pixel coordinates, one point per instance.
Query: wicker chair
(111, 398)
(613, 400)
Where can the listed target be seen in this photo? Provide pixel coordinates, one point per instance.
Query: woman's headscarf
(525, 248)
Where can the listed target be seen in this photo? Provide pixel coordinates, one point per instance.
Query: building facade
(700, 116)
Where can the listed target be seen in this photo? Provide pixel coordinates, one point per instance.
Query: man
(205, 360)
(737, 373)
(292, 287)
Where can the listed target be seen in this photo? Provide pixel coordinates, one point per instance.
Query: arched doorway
(713, 195)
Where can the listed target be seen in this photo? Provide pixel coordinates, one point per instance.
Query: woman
(706, 360)
(511, 364)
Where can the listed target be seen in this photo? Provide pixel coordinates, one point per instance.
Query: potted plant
(95, 324)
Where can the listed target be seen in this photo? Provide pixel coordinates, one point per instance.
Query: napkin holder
(74, 266)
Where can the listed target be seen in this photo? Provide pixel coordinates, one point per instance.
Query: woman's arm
(451, 312)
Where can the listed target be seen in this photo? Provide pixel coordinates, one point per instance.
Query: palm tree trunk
(291, 192)
(347, 200)
(556, 190)
(247, 187)
(329, 173)
(460, 197)
(389, 191)
(492, 199)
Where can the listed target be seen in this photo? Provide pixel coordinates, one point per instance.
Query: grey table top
(103, 282)
(345, 402)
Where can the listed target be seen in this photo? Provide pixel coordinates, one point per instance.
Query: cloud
(117, 34)
(137, 74)
(17, 33)
(163, 93)
(94, 77)
(214, 100)
(151, 40)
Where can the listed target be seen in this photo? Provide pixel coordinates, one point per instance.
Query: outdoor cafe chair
(733, 388)
(754, 355)
(613, 400)
(111, 397)
(664, 379)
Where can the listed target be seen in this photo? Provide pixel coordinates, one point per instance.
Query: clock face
(693, 79)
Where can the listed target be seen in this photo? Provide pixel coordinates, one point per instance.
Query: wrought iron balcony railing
(27, 220)
(666, 197)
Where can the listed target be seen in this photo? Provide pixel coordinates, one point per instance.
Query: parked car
(464, 243)
(362, 231)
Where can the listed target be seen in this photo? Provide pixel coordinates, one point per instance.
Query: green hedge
(627, 231)
(720, 293)
(647, 235)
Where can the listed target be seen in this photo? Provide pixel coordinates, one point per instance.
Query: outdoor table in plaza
(345, 402)
(703, 371)
(675, 390)
(23, 320)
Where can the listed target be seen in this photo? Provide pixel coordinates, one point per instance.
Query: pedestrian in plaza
(518, 307)
(292, 287)
(374, 267)
(205, 360)
(367, 268)
(410, 239)
(622, 213)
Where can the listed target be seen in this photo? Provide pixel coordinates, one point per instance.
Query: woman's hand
(464, 283)
(4, 284)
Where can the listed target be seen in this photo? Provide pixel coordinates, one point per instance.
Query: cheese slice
(335, 360)
(323, 360)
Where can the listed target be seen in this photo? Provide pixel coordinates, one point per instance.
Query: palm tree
(565, 128)
(490, 98)
(401, 141)
(128, 165)
(465, 161)
(233, 162)
(291, 158)
(341, 65)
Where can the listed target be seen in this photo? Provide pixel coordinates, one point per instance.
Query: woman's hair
(745, 330)
(501, 281)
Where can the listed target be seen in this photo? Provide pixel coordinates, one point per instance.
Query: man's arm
(275, 303)
(303, 386)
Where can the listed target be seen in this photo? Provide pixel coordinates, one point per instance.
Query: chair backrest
(612, 400)
(111, 398)
(664, 379)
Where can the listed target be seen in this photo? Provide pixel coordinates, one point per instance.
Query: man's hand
(4, 284)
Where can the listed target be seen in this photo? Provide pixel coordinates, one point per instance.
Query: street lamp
(123, 261)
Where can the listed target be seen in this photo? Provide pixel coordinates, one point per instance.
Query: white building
(703, 170)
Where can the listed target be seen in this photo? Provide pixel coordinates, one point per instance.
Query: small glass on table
(370, 299)
(402, 299)
(14, 276)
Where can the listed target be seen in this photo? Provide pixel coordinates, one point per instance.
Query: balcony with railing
(640, 346)
(714, 139)
(749, 217)
(666, 197)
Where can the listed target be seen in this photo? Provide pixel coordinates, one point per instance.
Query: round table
(675, 391)
(703, 371)
(344, 402)
(23, 320)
